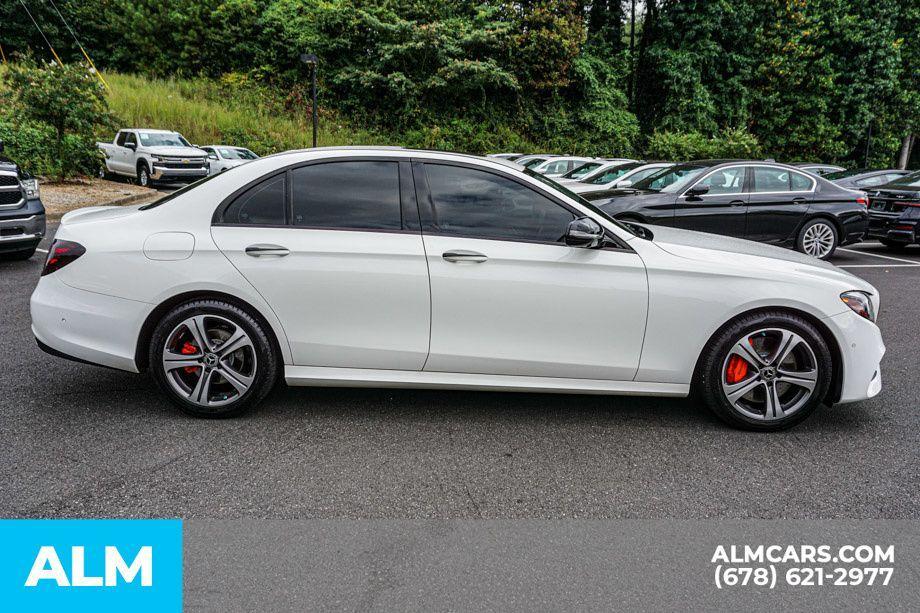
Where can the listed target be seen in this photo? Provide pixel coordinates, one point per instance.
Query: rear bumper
(86, 326)
(862, 350)
(893, 228)
(23, 229)
(161, 173)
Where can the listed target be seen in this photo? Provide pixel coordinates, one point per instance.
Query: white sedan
(419, 269)
(222, 158)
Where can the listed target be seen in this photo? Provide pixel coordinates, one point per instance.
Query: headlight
(860, 303)
(157, 158)
(31, 187)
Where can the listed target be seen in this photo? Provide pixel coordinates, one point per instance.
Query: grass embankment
(224, 112)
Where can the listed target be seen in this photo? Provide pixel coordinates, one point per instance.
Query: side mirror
(697, 190)
(622, 184)
(131, 146)
(584, 232)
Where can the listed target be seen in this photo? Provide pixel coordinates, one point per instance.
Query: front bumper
(87, 326)
(861, 349)
(162, 173)
(22, 228)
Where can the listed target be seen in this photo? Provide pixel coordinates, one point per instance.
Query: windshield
(580, 171)
(236, 154)
(911, 180)
(612, 173)
(843, 174)
(671, 179)
(163, 139)
(567, 192)
(534, 162)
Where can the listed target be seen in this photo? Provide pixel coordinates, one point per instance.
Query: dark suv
(22, 215)
(894, 212)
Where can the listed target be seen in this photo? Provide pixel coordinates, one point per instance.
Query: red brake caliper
(189, 349)
(737, 370)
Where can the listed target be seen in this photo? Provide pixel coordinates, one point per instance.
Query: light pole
(313, 61)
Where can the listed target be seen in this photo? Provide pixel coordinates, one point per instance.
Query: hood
(97, 213)
(178, 151)
(702, 246)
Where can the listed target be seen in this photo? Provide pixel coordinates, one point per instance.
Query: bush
(676, 146)
(51, 115)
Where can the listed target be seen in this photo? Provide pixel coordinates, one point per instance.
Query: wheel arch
(821, 215)
(150, 323)
(834, 390)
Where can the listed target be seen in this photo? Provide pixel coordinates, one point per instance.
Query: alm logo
(48, 567)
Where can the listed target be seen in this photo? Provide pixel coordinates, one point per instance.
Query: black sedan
(864, 179)
(761, 201)
(894, 212)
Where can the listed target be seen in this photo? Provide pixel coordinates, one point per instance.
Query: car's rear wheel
(212, 359)
(767, 371)
(818, 237)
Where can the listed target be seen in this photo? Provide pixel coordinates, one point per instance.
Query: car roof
(151, 130)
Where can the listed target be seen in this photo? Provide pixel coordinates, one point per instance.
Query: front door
(508, 296)
(329, 248)
(721, 210)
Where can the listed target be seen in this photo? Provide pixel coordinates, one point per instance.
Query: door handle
(799, 200)
(462, 255)
(258, 251)
(737, 203)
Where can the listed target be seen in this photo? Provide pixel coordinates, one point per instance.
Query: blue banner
(97, 565)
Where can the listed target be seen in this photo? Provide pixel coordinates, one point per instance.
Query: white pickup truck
(153, 155)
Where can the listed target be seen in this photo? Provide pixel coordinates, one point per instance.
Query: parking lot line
(879, 266)
(875, 255)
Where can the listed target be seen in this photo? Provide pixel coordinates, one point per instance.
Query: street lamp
(310, 58)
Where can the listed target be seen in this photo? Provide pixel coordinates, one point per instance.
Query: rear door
(721, 210)
(335, 248)
(779, 199)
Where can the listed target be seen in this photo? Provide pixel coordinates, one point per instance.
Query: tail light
(863, 200)
(61, 254)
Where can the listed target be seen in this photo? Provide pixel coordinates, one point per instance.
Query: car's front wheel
(213, 359)
(766, 371)
(143, 175)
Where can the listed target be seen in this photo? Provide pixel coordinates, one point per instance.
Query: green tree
(68, 99)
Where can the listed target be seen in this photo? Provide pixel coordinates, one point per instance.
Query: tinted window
(262, 204)
(800, 183)
(870, 181)
(641, 174)
(771, 179)
(476, 203)
(131, 139)
(671, 179)
(120, 141)
(612, 173)
(357, 195)
(725, 181)
(580, 171)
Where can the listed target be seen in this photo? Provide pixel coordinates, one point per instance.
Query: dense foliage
(791, 79)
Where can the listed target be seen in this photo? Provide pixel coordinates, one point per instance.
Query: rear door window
(358, 195)
(260, 205)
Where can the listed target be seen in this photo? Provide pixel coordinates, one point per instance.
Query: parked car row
(162, 155)
(811, 207)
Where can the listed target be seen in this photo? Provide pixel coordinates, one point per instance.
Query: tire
(24, 254)
(808, 361)
(894, 245)
(143, 175)
(253, 364)
(818, 238)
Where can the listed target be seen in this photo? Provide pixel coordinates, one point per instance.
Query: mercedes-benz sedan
(419, 269)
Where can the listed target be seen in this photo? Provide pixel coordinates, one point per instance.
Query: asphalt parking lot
(81, 441)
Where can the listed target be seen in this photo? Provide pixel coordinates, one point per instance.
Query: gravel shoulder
(59, 198)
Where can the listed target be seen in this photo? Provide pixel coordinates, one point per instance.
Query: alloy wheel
(769, 374)
(209, 360)
(818, 240)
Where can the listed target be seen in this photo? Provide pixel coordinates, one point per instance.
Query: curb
(117, 202)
